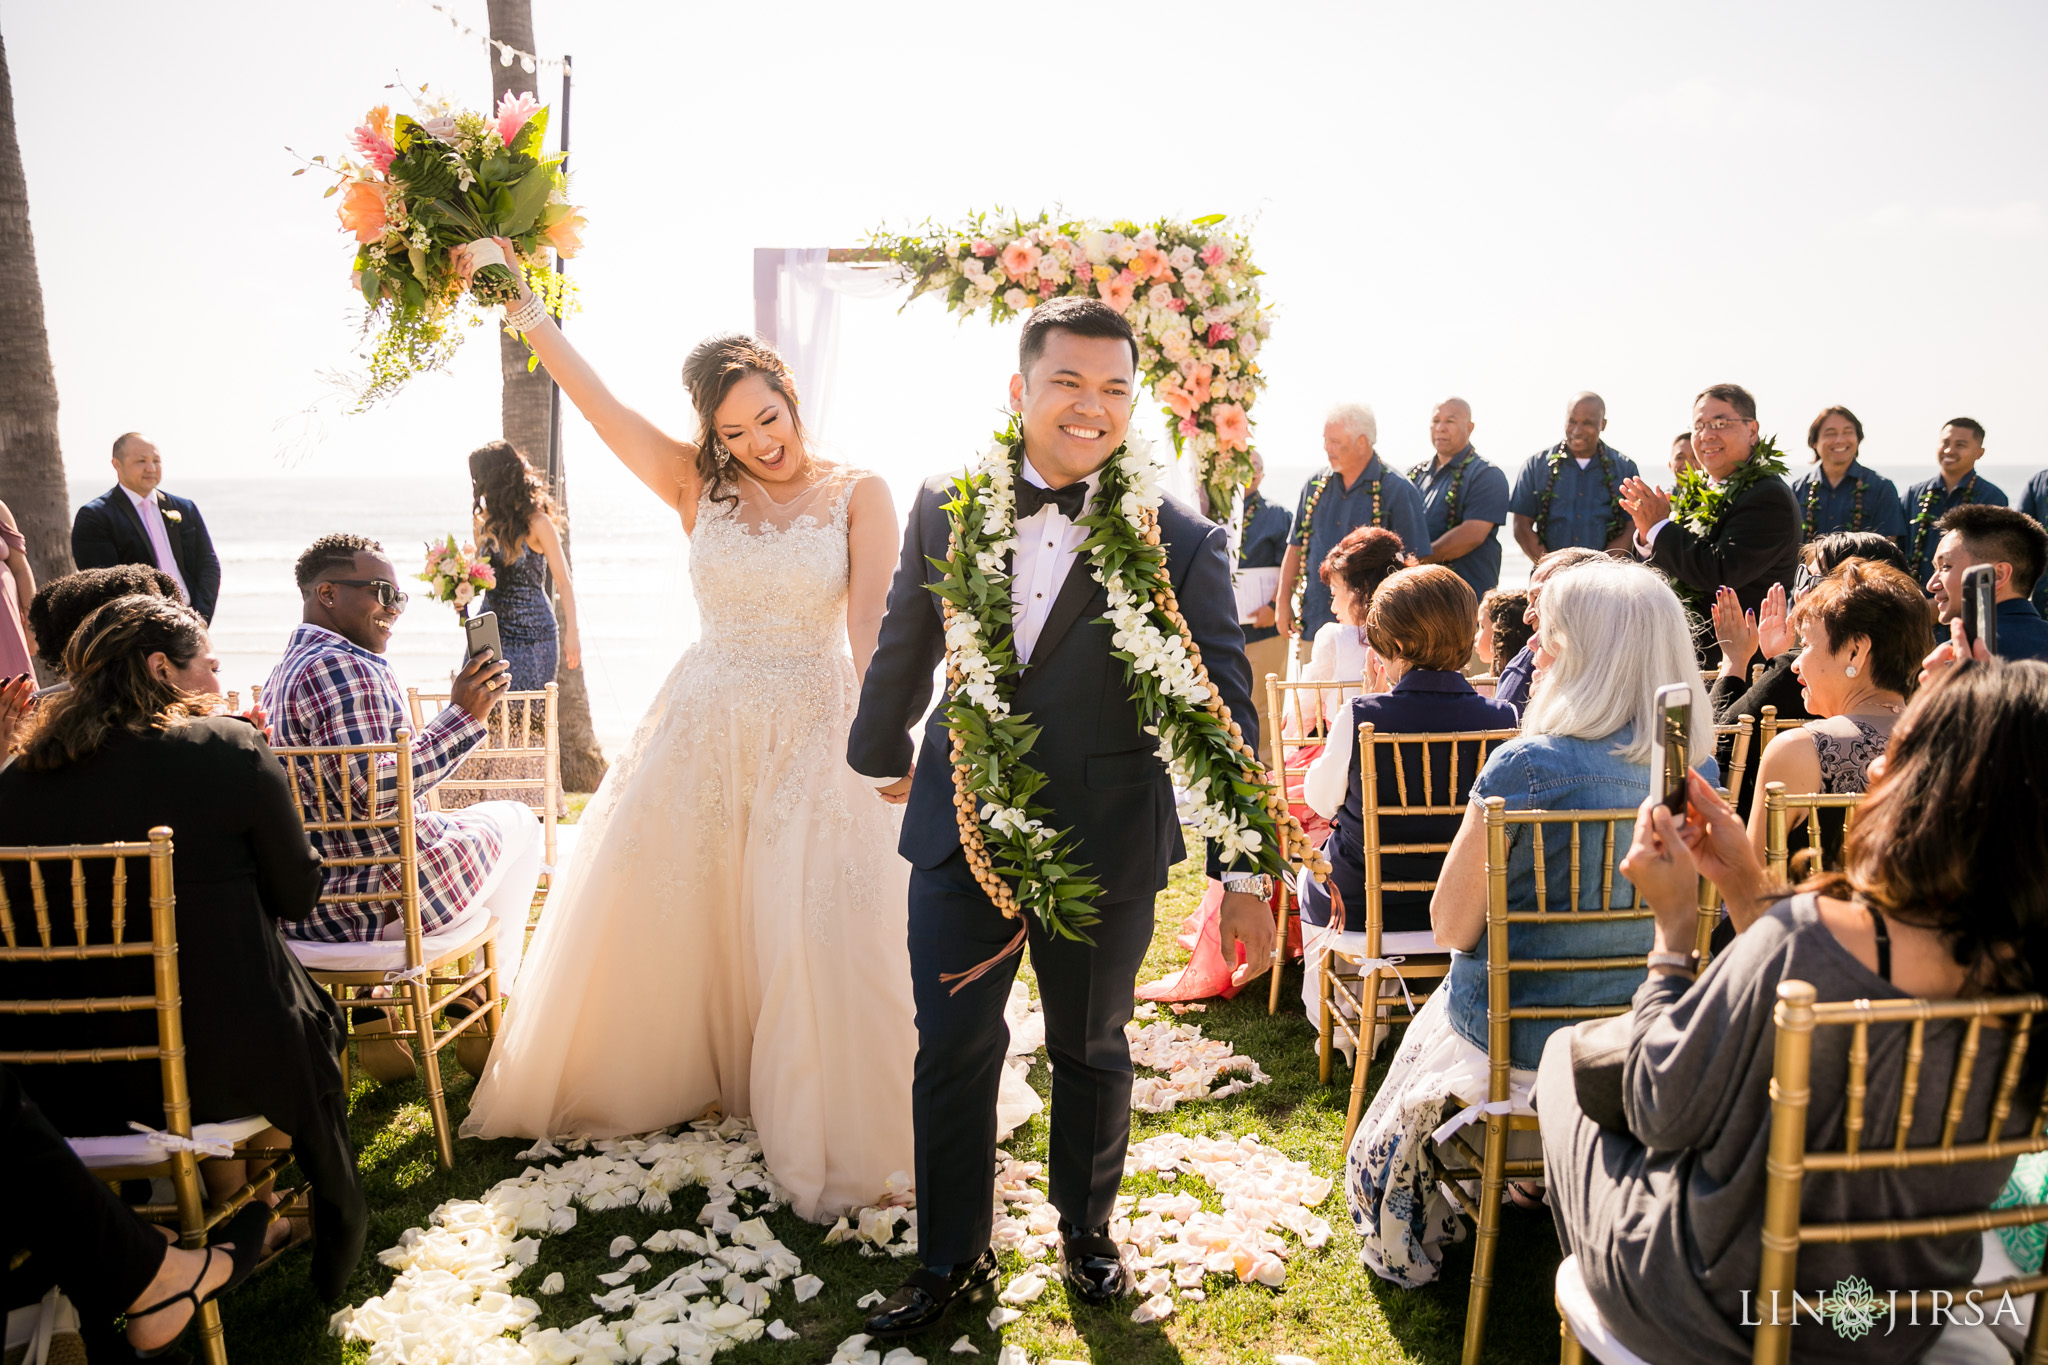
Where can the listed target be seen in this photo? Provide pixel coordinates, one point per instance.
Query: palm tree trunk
(525, 413)
(31, 465)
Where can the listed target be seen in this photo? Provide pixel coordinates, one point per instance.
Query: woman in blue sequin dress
(514, 518)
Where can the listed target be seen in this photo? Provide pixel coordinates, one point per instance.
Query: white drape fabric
(808, 288)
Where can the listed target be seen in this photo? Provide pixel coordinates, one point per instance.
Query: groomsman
(1570, 494)
(1465, 499)
(1958, 484)
(2034, 502)
(1357, 490)
(1840, 493)
(136, 522)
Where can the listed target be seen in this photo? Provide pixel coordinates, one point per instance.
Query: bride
(731, 931)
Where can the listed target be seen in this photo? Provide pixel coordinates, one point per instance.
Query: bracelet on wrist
(526, 316)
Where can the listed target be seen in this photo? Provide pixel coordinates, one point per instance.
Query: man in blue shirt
(1962, 445)
(1358, 490)
(2034, 502)
(1570, 494)
(1465, 499)
(1264, 546)
(1840, 494)
(2017, 547)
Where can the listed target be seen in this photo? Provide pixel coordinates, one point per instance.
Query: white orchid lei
(1002, 828)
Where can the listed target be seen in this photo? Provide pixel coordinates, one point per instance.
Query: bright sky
(1827, 203)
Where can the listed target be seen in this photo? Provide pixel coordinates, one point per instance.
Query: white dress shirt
(159, 535)
(1047, 545)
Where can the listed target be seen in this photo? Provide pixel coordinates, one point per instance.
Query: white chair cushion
(1417, 941)
(388, 954)
(135, 1149)
(1577, 1306)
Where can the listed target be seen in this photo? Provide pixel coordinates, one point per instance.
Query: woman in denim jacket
(1611, 635)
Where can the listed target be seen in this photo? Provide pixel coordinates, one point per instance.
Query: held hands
(1735, 630)
(896, 793)
(1645, 505)
(1936, 666)
(477, 686)
(1247, 921)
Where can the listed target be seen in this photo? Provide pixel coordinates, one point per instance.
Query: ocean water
(631, 567)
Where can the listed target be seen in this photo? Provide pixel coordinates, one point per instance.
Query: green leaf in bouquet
(403, 129)
(372, 284)
(415, 296)
(331, 190)
(528, 197)
(425, 170)
(501, 204)
(418, 259)
(528, 139)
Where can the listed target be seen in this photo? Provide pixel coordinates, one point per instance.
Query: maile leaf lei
(1699, 503)
(1019, 862)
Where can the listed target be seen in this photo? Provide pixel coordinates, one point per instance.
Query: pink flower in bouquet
(1199, 379)
(566, 237)
(1120, 292)
(1190, 427)
(1178, 304)
(373, 138)
(484, 576)
(513, 112)
(1020, 260)
(362, 210)
(1220, 332)
(983, 247)
(1160, 296)
(1150, 264)
(1175, 397)
(1233, 428)
(463, 594)
(1214, 254)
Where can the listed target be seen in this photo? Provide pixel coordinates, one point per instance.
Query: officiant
(1259, 554)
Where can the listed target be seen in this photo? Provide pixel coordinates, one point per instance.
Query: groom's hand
(897, 792)
(1246, 920)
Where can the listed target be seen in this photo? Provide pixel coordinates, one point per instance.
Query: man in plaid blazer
(334, 687)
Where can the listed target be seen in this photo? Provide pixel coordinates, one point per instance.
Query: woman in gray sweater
(1944, 894)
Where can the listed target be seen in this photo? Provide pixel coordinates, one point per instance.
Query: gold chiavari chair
(1766, 729)
(1501, 1111)
(1298, 710)
(171, 1154)
(1798, 1016)
(424, 970)
(1738, 736)
(1433, 776)
(1778, 808)
(521, 726)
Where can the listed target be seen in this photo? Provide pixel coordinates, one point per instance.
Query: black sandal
(246, 1231)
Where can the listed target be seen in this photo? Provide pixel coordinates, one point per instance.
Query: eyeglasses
(1803, 581)
(1718, 424)
(387, 592)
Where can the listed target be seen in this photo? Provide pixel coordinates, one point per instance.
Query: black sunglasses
(387, 592)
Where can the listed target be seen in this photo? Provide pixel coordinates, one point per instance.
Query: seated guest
(128, 748)
(1611, 635)
(64, 602)
(334, 687)
(2017, 548)
(1353, 570)
(1839, 493)
(1865, 627)
(1420, 625)
(1519, 672)
(1938, 900)
(1956, 485)
(1504, 629)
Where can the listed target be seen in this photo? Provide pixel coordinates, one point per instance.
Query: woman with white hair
(1611, 635)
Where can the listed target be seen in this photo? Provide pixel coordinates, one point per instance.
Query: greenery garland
(1698, 503)
(1018, 861)
(1549, 495)
(1306, 526)
(1923, 516)
(1459, 471)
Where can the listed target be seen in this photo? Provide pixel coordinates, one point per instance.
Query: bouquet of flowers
(426, 187)
(456, 573)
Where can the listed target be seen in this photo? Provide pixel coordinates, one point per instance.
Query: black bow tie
(1070, 500)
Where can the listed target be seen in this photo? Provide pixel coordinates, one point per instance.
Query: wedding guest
(1750, 535)
(1464, 498)
(2034, 502)
(1357, 490)
(1504, 629)
(334, 687)
(17, 590)
(1570, 494)
(2017, 548)
(1957, 485)
(63, 603)
(128, 748)
(136, 522)
(514, 514)
(1352, 572)
(1840, 493)
(1681, 457)
(1865, 627)
(1936, 901)
(1611, 635)
(1263, 547)
(1518, 675)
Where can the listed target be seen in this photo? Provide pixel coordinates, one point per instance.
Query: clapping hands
(1645, 504)
(1735, 631)
(1774, 624)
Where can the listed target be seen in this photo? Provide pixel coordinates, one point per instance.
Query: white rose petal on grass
(869, 1299)
(902, 1355)
(1024, 1289)
(1013, 1355)
(1193, 1295)
(1292, 1360)
(780, 1330)
(620, 1246)
(807, 1287)
(553, 1284)
(1153, 1309)
(1000, 1317)
(964, 1347)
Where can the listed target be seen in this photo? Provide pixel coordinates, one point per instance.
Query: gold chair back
(1299, 710)
(1798, 1016)
(521, 726)
(1778, 808)
(1766, 729)
(1738, 736)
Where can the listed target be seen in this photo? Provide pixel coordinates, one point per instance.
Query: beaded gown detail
(732, 929)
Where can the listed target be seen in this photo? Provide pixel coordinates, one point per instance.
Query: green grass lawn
(1332, 1309)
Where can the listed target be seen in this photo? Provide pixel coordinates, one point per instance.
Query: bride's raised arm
(657, 459)
(871, 537)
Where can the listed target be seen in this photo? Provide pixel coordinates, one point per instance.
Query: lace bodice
(770, 578)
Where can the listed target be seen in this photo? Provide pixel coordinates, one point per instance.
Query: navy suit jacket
(108, 531)
(1105, 780)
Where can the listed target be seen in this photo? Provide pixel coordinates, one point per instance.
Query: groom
(1077, 375)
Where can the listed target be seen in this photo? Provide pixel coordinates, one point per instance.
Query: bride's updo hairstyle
(710, 371)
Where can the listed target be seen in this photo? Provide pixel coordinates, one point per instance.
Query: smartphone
(1980, 605)
(480, 634)
(1673, 745)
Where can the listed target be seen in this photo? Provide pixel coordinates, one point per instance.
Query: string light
(507, 54)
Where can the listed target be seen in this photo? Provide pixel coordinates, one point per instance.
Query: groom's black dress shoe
(1093, 1265)
(924, 1299)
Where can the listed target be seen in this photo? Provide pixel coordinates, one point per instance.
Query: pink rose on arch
(1190, 427)
(1220, 332)
(983, 247)
(1233, 428)
(1120, 291)
(1214, 254)
(1020, 260)
(1183, 256)
(1178, 304)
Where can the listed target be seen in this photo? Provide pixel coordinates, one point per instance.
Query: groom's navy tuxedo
(1107, 784)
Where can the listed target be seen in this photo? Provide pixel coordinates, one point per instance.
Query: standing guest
(1518, 674)
(1736, 527)
(1357, 490)
(1839, 493)
(333, 687)
(56, 612)
(1570, 494)
(1464, 498)
(1681, 457)
(1957, 485)
(1263, 547)
(2034, 502)
(17, 590)
(513, 515)
(2017, 548)
(136, 522)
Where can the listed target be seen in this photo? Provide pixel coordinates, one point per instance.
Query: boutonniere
(169, 512)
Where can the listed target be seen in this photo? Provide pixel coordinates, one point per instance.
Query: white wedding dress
(732, 929)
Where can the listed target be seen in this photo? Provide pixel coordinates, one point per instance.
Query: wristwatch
(1258, 884)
